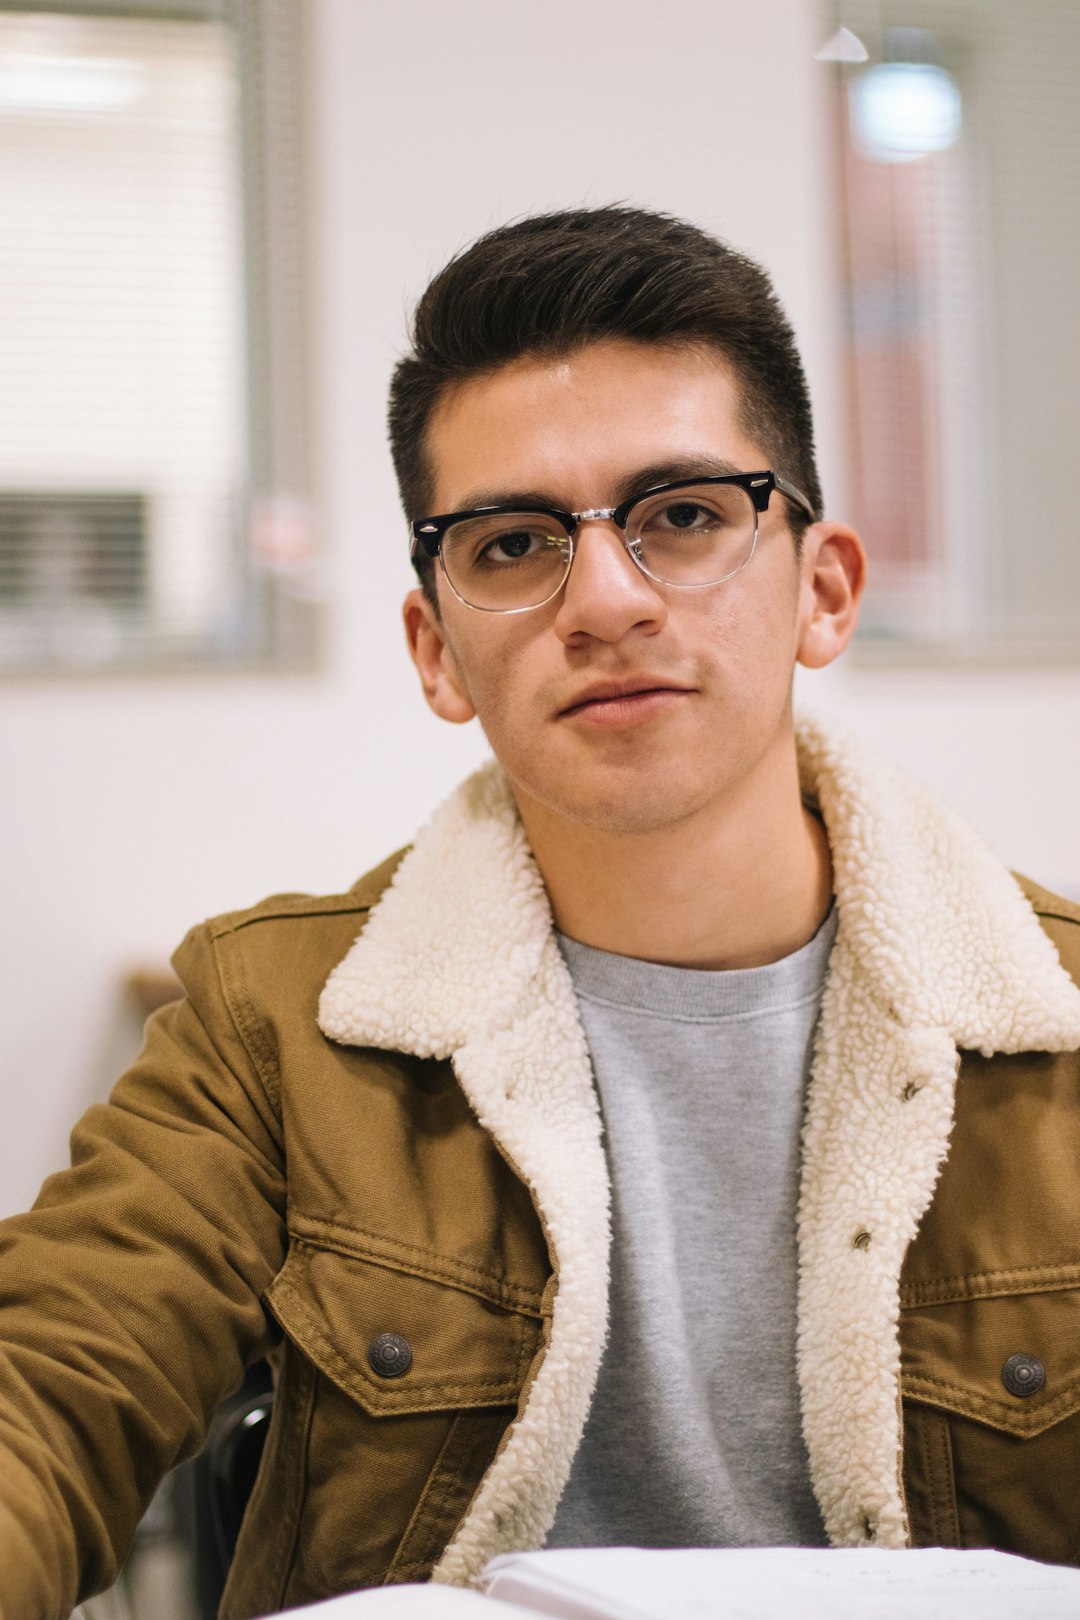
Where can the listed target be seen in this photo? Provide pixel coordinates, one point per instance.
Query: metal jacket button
(390, 1355)
(1023, 1375)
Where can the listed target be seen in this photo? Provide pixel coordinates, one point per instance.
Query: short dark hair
(551, 284)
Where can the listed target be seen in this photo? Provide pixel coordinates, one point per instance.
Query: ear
(435, 662)
(832, 572)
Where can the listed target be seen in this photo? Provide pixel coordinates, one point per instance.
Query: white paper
(411, 1602)
(628, 1583)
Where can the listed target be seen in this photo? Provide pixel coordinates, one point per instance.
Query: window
(154, 486)
(961, 227)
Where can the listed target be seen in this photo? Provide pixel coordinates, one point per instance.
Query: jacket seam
(946, 1290)
(245, 1020)
(438, 1268)
(1044, 902)
(1059, 908)
(463, 1463)
(436, 1495)
(428, 1497)
(296, 1406)
(289, 1562)
(1060, 1405)
(525, 1353)
(942, 1484)
(234, 923)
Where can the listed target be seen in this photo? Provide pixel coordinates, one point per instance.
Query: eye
(488, 545)
(685, 515)
(510, 547)
(705, 510)
(516, 545)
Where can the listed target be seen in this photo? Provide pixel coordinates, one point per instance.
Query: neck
(743, 882)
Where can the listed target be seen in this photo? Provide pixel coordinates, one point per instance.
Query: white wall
(131, 809)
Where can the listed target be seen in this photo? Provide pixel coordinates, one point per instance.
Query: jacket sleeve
(130, 1295)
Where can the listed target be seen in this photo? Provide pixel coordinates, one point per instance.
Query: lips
(613, 692)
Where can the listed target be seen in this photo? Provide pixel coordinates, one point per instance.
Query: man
(393, 1138)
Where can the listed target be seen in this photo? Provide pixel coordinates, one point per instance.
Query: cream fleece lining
(936, 948)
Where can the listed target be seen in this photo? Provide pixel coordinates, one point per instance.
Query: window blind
(128, 422)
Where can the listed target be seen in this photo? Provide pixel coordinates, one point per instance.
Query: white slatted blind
(124, 347)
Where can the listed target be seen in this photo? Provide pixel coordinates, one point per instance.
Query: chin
(633, 809)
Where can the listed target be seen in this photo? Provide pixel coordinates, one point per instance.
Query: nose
(606, 595)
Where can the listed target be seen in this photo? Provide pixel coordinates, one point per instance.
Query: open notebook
(631, 1583)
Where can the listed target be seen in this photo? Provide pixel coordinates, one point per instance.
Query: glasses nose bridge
(594, 514)
(600, 514)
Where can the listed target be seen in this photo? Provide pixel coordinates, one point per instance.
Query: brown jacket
(418, 1152)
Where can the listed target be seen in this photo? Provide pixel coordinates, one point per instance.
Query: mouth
(623, 702)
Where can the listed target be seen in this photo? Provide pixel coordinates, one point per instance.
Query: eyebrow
(635, 483)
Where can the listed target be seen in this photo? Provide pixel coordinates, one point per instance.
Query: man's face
(622, 704)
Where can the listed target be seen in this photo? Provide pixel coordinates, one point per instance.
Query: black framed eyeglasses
(687, 535)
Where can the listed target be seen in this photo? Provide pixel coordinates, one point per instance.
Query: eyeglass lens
(695, 535)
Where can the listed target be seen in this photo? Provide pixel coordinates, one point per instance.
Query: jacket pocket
(984, 1464)
(379, 1470)
(466, 1351)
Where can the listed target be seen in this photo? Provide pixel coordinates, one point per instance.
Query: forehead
(575, 427)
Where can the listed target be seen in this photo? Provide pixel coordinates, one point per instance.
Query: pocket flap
(953, 1356)
(466, 1351)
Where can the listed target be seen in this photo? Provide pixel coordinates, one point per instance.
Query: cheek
(753, 633)
(493, 671)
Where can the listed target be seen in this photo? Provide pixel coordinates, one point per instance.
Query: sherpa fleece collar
(936, 948)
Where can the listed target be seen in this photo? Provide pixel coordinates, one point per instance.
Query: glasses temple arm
(795, 495)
